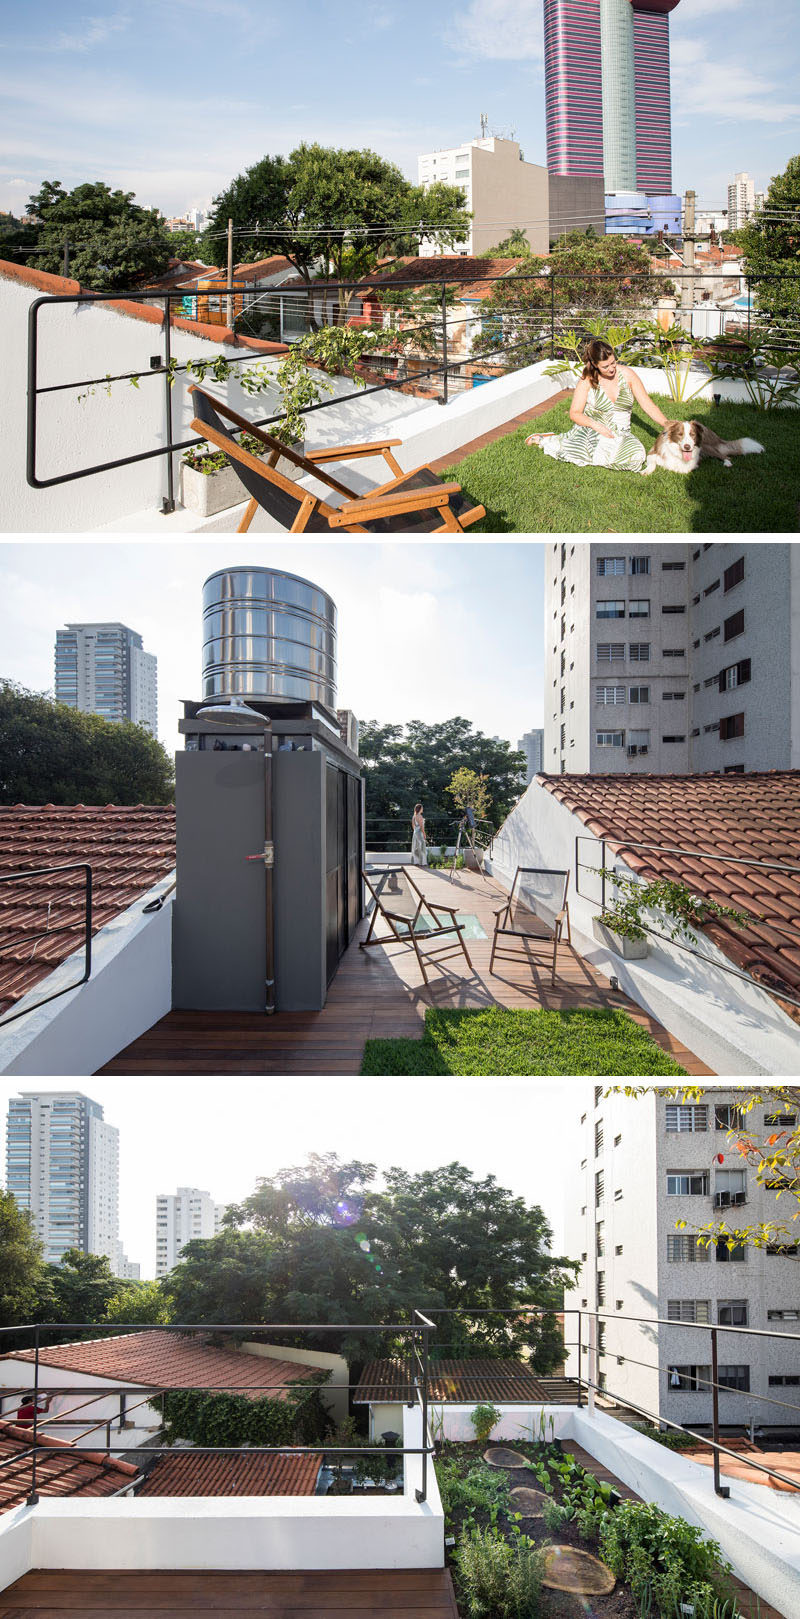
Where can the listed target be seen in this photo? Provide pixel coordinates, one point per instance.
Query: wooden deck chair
(536, 895)
(411, 920)
(411, 503)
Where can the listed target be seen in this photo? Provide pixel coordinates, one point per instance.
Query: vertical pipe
(719, 1487)
(269, 876)
(444, 345)
(33, 1497)
(168, 503)
(422, 1495)
(88, 922)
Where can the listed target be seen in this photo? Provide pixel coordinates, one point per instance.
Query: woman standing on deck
(601, 410)
(419, 842)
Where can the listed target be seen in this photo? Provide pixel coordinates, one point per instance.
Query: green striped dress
(585, 448)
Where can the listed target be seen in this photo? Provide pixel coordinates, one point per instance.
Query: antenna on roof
(484, 125)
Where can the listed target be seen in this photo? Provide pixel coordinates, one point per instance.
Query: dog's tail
(744, 446)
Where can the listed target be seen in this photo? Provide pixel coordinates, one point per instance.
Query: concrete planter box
(210, 492)
(628, 949)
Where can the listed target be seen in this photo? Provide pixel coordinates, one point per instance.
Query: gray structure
(103, 669)
(576, 202)
(269, 805)
(532, 745)
(669, 658)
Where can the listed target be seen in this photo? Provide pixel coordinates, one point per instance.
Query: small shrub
(484, 1418)
(480, 1489)
(555, 1517)
(663, 1556)
(497, 1580)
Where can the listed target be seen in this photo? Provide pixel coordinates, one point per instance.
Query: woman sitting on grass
(601, 410)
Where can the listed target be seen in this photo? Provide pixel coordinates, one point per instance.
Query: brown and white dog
(681, 446)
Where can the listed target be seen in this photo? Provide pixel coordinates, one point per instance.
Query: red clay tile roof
(457, 1381)
(170, 1360)
(754, 817)
(183, 1472)
(271, 266)
(129, 848)
(68, 1471)
(414, 271)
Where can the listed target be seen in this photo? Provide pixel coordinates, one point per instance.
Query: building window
(734, 1379)
(601, 1288)
(638, 742)
(734, 574)
(610, 651)
(709, 590)
(610, 609)
(735, 1255)
(674, 652)
(729, 1116)
(672, 696)
(599, 1188)
(686, 1250)
(689, 1378)
(783, 1315)
(673, 738)
(736, 674)
(610, 739)
(734, 625)
(688, 1310)
(687, 1183)
(730, 726)
(600, 1239)
(599, 1138)
(639, 609)
(730, 1188)
(639, 694)
(640, 564)
(786, 1380)
(732, 1312)
(673, 609)
(783, 1250)
(710, 636)
(673, 567)
(682, 1116)
(639, 651)
(610, 565)
(788, 1120)
(610, 694)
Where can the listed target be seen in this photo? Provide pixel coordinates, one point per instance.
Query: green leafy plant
(770, 375)
(624, 340)
(481, 1489)
(498, 1579)
(555, 1516)
(484, 1418)
(203, 459)
(664, 1559)
(683, 910)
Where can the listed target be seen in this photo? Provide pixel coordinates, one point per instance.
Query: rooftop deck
(380, 994)
(326, 1594)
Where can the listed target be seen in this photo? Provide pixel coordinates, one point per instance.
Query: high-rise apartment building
(607, 91)
(504, 193)
(668, 658)
(62, 1164)
(532, 745)
(741, 201)
(642, 1166)
(180, 1218)
(103, 669)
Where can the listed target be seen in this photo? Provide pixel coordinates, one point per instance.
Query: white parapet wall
(130, 988)
(731, 1025)
(756, 1528)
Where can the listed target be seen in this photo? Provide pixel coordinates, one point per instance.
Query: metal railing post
(719, 1488)
(552, 315)
(422, 1494)
(579, 1314)
(33, 1498)
(168, 503)
(444, 346)
(591, 1370)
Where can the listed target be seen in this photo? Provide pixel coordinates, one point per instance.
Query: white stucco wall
(733, 1027)
(94, 1419)
(335, 1394)
(129, 990)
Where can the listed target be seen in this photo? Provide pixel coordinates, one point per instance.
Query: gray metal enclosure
(230, 899)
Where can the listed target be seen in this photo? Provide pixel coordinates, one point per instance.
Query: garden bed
(580, 1514)
(525, 492)
(508, 1041)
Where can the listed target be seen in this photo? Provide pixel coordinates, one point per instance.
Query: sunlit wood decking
(379, 993)
(327, 1594)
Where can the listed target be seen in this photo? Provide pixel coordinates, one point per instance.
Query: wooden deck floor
(378, 993)
(327, 1594)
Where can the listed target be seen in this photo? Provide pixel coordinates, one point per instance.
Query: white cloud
(724, 89)
(712, 8)
(95, 31)
(500, 30)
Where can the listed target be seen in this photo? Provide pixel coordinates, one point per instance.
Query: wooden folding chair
(537, 894)
(411, 920)
(411, 502)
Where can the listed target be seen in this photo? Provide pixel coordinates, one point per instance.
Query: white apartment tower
(180, 1218)
(671, 658)
(741, 201)
(645, 1164)
(532, 745)
(62, 1164)
(103, 669)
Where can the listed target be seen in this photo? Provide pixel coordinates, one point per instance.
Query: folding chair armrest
(452, 909)
(348, 452)
(503, 911)
(393, 505)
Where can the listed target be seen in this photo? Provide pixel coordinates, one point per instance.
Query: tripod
(466, 832)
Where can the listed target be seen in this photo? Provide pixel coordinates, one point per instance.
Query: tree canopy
(418, 762)
(20, 1262)
(113, 242)
(770, 246)
(53, 754)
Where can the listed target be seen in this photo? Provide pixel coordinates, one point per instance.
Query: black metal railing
(789, 932)
(323, 304)
(392, 833)
(68, 904)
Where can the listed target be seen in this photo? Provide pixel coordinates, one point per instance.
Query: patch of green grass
(524, 492)
(503, 1041)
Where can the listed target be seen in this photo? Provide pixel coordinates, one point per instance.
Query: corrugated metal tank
(268, 634)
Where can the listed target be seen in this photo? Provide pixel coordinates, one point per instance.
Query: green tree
(514, 246)
(402, 768)
(21, 1266)
(770, 246)
(81, 1288)
(468, 790)
(186, 244)
(138, 1302)
(114, 244)
(53, 754)
(15, 236)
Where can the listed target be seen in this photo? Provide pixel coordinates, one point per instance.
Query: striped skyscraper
(607, 91)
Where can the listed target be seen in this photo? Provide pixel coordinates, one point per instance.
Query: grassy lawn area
(502, 1041)
(524, 492)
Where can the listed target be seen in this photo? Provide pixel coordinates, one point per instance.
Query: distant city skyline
(81, 102)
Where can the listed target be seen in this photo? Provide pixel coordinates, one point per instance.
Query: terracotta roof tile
(62, 1471)
(457, 1381)
(753, 816)
(483, 271)
(41, 921)
(183, 1472)
(165, 1360)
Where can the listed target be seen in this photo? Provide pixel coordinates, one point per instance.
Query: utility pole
(687, 280)
(230, 273)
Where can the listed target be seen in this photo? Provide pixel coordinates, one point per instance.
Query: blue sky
(171, 101)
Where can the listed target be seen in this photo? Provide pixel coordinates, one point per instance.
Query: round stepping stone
(501, 1456)
(568, 1569)
(530, 1503)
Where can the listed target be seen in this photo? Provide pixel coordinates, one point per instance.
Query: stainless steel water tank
(268, 634)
